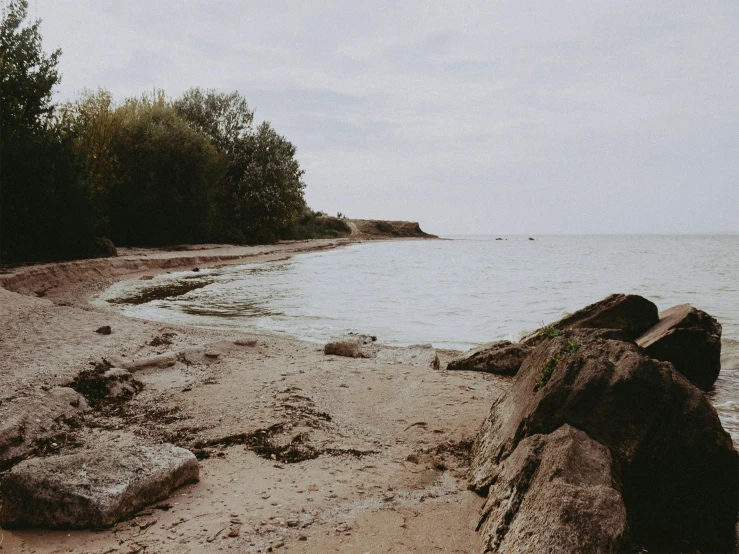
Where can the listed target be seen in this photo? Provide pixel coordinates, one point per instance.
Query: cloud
(494, 117)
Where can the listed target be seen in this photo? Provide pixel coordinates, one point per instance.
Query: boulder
(347, 348)
(678, 468)
(628, 313)
(555, 493)
(93, 489)
(503, 357)
(35, 424)
(423, 355)
(688, 338)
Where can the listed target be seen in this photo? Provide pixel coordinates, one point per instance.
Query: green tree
(270, 187)
(165, 177)
(44, 205)
(96, 125)
(225, 118)
(262, 189)
(27, 75)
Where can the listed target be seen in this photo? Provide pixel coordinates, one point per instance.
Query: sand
(300, 452)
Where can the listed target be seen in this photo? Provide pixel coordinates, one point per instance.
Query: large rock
(690, 339)
(678, 467)
(93, 489)
(503, 357)
(629, 313)
(37, 424)
(555, 493)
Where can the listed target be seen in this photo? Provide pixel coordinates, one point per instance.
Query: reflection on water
(455, 294)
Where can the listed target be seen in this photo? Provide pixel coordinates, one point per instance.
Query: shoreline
(404, 488)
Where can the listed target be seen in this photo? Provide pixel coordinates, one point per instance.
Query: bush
(315, 225)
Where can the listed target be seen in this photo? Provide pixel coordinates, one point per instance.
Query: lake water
(455, 293)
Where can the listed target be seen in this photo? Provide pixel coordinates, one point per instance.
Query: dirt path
(300, 452)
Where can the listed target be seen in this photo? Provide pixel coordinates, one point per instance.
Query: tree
(44, 205)
(165, 177)
(27, 75)
(96, 125)
(225, 118)
(269, 191)
(262, 189)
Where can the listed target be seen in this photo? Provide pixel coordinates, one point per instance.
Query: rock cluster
(597, 443)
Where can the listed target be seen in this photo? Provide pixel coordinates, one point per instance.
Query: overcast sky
(472, 118)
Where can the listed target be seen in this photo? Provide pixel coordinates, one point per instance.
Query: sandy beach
(372, 456)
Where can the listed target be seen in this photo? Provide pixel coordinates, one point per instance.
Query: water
(455, 293)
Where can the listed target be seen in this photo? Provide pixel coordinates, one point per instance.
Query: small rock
(347, 348)
(104, 330)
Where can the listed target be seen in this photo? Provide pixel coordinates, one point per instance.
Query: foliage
(549, 332)
(225, 118)
(149, 171)
(165, 176)
(96, 126)
(45, 211)
(262, 190)
(315, 225)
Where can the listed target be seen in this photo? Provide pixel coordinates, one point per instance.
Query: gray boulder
(629, 313)
(688, 338)
(677, 466)
(555, 493)
(93, 489)
(503, 357)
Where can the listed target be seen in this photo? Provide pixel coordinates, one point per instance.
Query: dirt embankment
(374, 228)
(297, 449)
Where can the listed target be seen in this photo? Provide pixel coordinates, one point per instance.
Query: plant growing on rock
(549, 332)
(570, 347)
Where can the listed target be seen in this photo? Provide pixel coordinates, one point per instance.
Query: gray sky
(470, 117)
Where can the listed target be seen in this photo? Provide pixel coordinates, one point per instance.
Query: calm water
(456, 293)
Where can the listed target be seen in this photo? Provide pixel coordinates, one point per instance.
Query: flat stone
(423, 355)
(29, 421)
(93, 489)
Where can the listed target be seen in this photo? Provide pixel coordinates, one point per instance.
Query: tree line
(150, 170)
